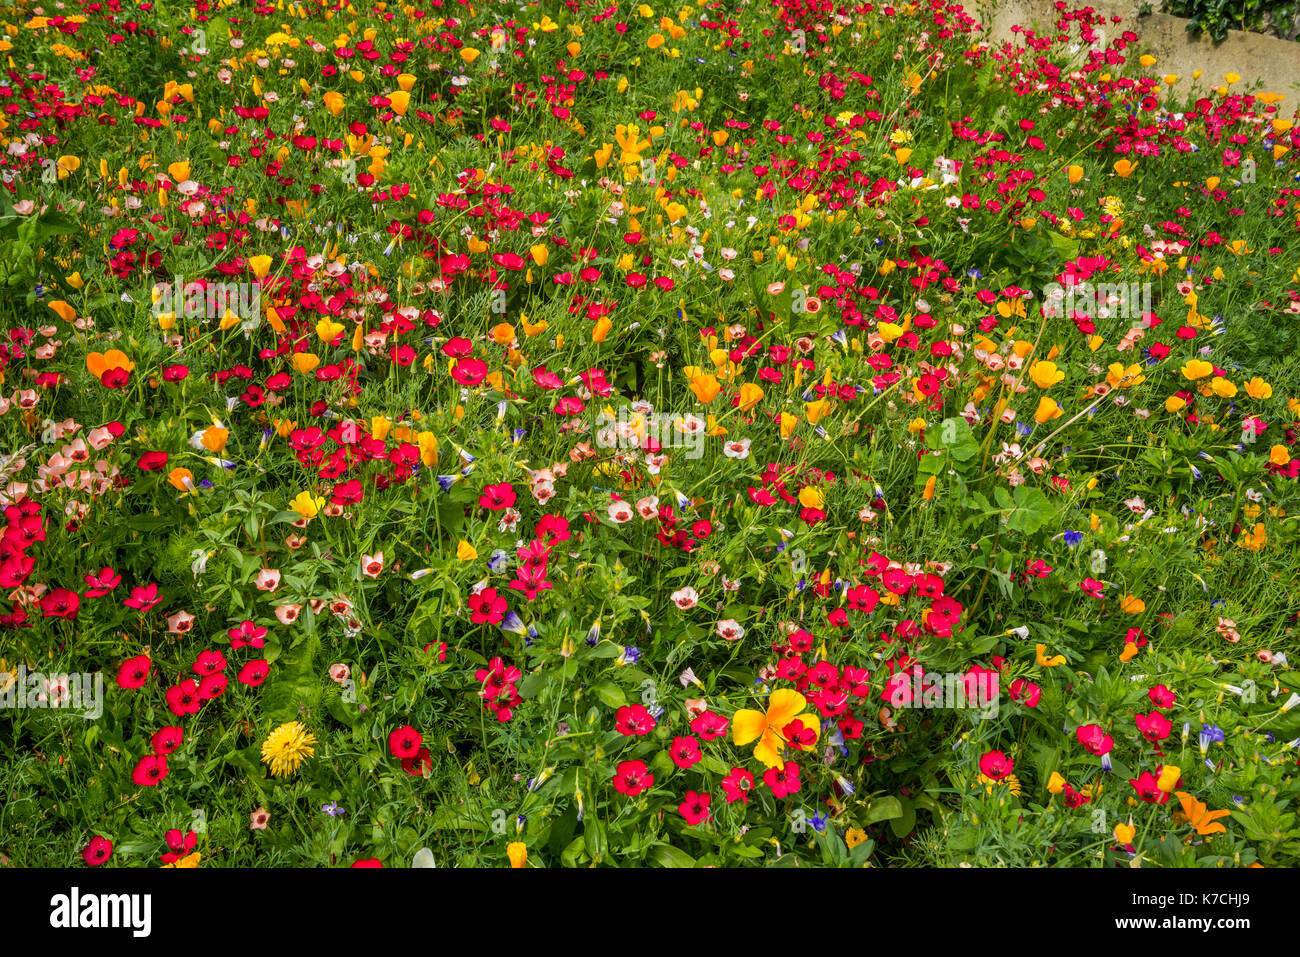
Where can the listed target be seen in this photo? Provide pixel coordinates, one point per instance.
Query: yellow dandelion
(286, 748)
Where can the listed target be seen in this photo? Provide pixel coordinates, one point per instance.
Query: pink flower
(372, 565)
(268, 579)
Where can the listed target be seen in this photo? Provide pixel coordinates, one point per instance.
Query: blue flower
(1073, 538)
(1213, 733)
(630, 656)
(498, 560)
(818, 821)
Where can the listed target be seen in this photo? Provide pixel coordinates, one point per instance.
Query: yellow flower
(1124, 833)
(518, 854)
(811, 497)
(1278, 456)
(1120, 377)
(304, 362)
(214, 438)
(181, 479)
(1040, 653)
(1075, 173)
(783, 708)
(189, 861)
(1257, 388)
(469, 54)
(750, 395)
(400, 101)
(815, 410)
(261, 265)
(1133, 605)
(1175, 404)
(428, 443)
(1197, 369)
(287, 747)
(307, 505)
(1222, 387)
(1047, 410)
(466, 552)
(854, 836)
(333, 102)
(1045, 374)
(1200, 816)
(1169, 776)
(1055, 784)
(706, 387)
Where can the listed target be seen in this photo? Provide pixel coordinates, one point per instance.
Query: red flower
(1154, 726)
(254, 673)
(1162, 697)
(209, 662)
(737, 785)
(685, 752)
(1026, 692)
(634, 719)
(419, 763)
(783, 780)
(246, 633)
(1147, 787)
(184, 698)
(632, 777)
(996, 765)
(152, 461)
(212, 686)
(168, 739)
(695, 808)
(102, 583)
(487, 607)
(60, 603)
(1094, 739)
(497, 497)
(134, 672)
(709, 725)
(368, 862)
(143, 597)
(98, 851)
(151, 769)
(405, 742)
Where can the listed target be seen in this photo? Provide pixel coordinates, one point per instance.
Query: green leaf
(665, 855)
(884, 809)
(610, 693)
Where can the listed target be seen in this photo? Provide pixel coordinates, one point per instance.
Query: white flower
(738, 449)
(648, 507)
(685, 598)
(730, 629)
(620, 512)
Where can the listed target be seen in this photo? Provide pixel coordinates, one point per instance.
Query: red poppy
(405, 742)
(151, 769)
(168, 739)
(98, 851)
(695, 808)
(632, 777)
(134, 672)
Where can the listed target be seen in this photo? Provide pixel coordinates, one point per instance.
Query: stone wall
(1263, 62)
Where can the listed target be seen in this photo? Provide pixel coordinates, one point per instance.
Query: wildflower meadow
(568, 434)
